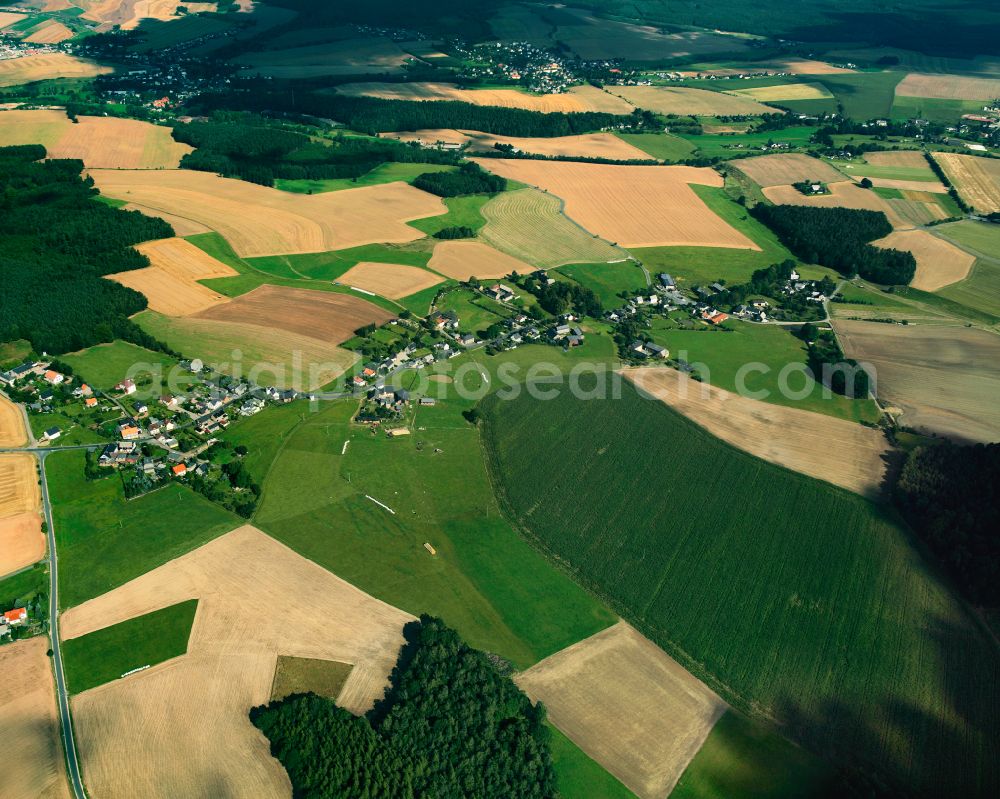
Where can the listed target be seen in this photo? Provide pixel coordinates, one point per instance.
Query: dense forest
(950, 494)
(838, 238)
(373, 115)
(56, 242)
(469, 179)
(450, 725)
(253, 149)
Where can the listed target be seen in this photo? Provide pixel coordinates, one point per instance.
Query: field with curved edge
(586, 145)
(939, 263)
(530, 225)
(464, 259)
(389, 280)
(977, 180)
(686, 101)
(794, 600)
(43, 66)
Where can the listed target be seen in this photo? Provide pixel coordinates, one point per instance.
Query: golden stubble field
(941, 377)
(976, 179)
(21, 540)
(846, 194)
(835, 450)
(939, 263)
(181, 727)
(390, 280)
(33, 766)
(586, 145)
(127, 14)
(696, 102)
(628, 705)
(43, 66)
(461, 260)
(12, 431)
(631, 206)
(786, 168)
(948, 87)
(258, 220)
(49, 32)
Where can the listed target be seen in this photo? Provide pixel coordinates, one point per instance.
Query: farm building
(52, 434)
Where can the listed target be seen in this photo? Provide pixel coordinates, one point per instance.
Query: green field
(580, 777)
(331, 265)
(106, 654)
(475, 312)
(607, 280)
(294, 675)
(484, 581)
(105, 541)
(795, 600)
(742, 760)
(105, 365)
(934, 109)
(773, 348)
(13, 353)
(663, 146)
(722, 145)
(21, 587)
(864, 95)
(462, 212)
(981, 289)
(890, 172)
(383, 173)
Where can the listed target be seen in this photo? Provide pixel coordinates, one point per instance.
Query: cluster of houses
(538, 69)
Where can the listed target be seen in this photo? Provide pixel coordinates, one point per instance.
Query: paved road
(69, 744)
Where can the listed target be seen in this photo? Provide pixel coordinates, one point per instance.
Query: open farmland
(12, 432)
(948, 87)
(848, 194)
(908, 159)
(938, 376)
(696, 102)
(593, 100)
(853, 456)
(389, 280)
(21, 540)
(355, 56)
(461, 260)
(530, 225)
(785, 91)
(127, 15)
(19, 490)
(786, 168)
(939, 263)
(97, 141)
(9, 18)
(148, 734)
(29, 726)
(50, 31)
(632, 206)
(264, 354)
(976, 179)
(735, 589)
(322, 315)
(257, 220)
(43, 66)
(628, 705)
(586, 145)
(183, 260)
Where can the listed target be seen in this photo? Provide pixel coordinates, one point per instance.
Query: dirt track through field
(181, 728)
(33, 766)
(837, 451)
(976, 179)
(258, 220)
(939, 263)
(628, 705)
(632, 206)
(322, 315)
(464, 259)
(390, 280)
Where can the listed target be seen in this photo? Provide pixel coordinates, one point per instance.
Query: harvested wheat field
(910, 159)
(506, 98)
(322, 315)
(127, 14)
(587, 145)
(346, 57)
(530, 225)
(264, 355)
(258, 220)
(183, 260)
(976, 179)
(628, 705)
(632, 206)
(852, 456)
(786, 91)
(182, 225)
(181, 727)
(43, 66)
(9, 18)
(696, 102)
(97, 141)
(948, 87)
(19, 492)
(12, 430)
(49, 32)
(389, 280)
(845, 194)
(786, 168)
(940, 377)
(925, 187)
(939, 263)
(29, 728)
(461, 260)
(21, 542)
(804, 66)
(167, 293)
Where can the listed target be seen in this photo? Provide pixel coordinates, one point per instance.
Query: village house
(467, 339)
(53, 378)
(179, 470)
(90, 402)
(501, 293)
(128, 432)
(656, 351)
(15, 616)
(126, 386)
(446, 320)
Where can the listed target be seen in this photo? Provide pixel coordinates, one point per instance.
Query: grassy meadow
(106, 654)
(796, 601)
(105, 365)
(383, 173)
(606, 280)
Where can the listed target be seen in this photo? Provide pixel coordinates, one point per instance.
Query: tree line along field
(794, 600)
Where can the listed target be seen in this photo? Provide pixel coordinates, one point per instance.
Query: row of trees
(451, 724)
(56, 242)
(950, 494)
(469, 179)
(838, 238)
(826, 360)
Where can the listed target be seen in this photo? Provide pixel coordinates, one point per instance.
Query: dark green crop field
(797, 601)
